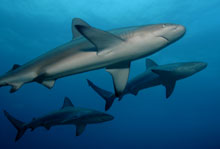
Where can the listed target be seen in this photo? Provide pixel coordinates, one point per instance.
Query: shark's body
(92, 49)
(67, 115)
(155, 75)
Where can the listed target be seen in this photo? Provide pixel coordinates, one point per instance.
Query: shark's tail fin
(106, 95)
(20, 126)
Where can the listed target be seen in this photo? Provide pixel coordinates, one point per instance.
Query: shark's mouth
(165, 38)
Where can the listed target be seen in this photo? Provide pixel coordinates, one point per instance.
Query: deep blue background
(190, 118)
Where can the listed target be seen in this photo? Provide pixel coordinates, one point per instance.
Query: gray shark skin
(155, 75)
(67, 115)
(92, 49)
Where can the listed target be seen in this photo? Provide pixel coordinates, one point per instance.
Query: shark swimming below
(92, 49)
(67, 115)
(155, 75)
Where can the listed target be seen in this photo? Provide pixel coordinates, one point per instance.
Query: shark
(155, 75)
(91, 49)
(67, 115)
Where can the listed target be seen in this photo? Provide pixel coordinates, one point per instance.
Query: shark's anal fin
(80, 128)
(150, 63)
(120, 74)
(67, 103)
(100, 39)
(168, 80)
(77, 21)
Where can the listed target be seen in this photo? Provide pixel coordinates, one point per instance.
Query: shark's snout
(107, 117)
(181, 29)
(201, 65)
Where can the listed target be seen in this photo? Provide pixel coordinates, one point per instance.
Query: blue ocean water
(188, 119)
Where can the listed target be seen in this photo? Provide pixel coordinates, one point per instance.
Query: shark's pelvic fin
(120, 74)
(20, 126)
(167, 80)
(100, 39)
(77, 21)
(48, 83)
(106, 95)
(67, 103)
(80, 128)
(47, 127)
(134, 91)
(15, 87)
(150, 63)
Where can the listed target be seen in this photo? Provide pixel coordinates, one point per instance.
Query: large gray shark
(92, 49)
(67, 115)
(165, 75)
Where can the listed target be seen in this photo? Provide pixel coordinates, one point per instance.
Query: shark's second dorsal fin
(102, 40)
(15, 66)
(77, 21)
(150, 63)
(67, 103)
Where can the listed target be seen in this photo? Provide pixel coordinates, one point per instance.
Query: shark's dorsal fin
(150, 63)
(67, 103)
(80, 128)
(15, 66)
(120, 74)
(100, 39)
(77, 21)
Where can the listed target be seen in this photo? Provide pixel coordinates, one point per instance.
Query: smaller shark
(67, 115)
(155, 75)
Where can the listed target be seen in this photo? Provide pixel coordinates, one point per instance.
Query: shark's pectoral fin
(77, 21)
(100, 39)
(120, 73)
(163, 73)
(80, 128)
(167, 79)
(169, 87)
(150, 63)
